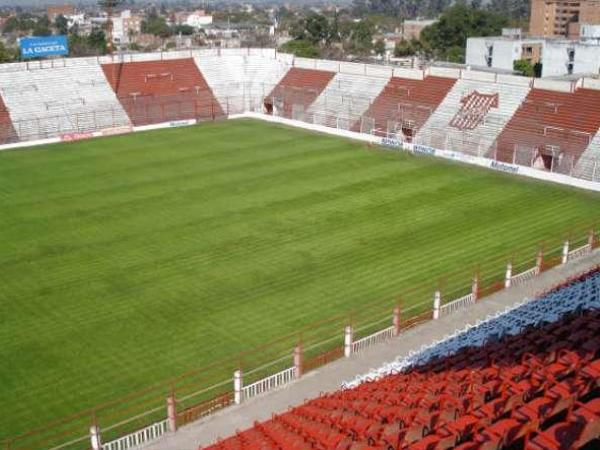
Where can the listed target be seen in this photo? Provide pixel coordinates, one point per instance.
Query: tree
(156, 25)
(400, 8)
(524, 67)
(93, 45)
(360, 37)
(42, 27)
(7, 54)
(301, 48)
(61, 25)
(379, 47)
(314, 28)
(405, 48)
(447, 38)
(184, 30)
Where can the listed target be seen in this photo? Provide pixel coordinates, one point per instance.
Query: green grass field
(125, 261)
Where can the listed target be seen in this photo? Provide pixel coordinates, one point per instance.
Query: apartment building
(562, 18)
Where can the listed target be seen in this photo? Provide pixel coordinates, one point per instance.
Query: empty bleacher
(472, 116)
(160, 91)
(551, 128)
(526, 379)
(405, 104)
(50, 101)
(7, 131)
(296, 91)
(241, 82)
(345, 99)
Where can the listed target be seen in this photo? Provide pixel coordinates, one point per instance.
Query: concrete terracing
(330, 377)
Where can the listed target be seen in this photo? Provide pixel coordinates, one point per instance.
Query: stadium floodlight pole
(109, 6)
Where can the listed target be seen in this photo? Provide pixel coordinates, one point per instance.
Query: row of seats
(59, 100)
(7, 130)
(241, 82)
(535, 389)
(558, 131)
(550, 123)
(160, 91)
(345, 99)
(404, 105)
(298, 89)
(472, 116)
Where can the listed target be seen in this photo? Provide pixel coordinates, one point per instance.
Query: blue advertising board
(35, 47)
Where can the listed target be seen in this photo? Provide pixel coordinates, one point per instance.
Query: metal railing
(139, 437)
(378, 337)
(269, 383)
(525, 276)
(580, 251)
(457, 305)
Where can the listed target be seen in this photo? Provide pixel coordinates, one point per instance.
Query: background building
(562, 18)
(125, 26)
(198, 19)
(559, 57)
(55, 11)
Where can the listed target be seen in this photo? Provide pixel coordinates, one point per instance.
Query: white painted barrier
(579, 252)
(457, 305)
(139, 437)
(525, 276)
(376, 338)
(269, 383)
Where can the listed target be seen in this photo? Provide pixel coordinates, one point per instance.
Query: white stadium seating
(472, 116)
(45, 102)
(345, 99)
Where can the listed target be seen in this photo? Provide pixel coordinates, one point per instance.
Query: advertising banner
(35, 47)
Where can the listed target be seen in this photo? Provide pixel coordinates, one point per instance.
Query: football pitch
(128, 260)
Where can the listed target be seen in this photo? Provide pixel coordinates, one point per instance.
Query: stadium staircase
(7, 130)
(299, 88)
(404, 105)
(552, 123)
(345, 99)
(46, 102)
(472, 116)
(528, 378)
(240, 82)
(161, 91)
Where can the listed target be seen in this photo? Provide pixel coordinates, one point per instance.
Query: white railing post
(508, 277)
(95, 439)
(475, 287)
(348, 337)
(565, 252)
(539, 261)
(172, 413)
(396, 320)
(437, 303)
(298, 360)
(238, 383)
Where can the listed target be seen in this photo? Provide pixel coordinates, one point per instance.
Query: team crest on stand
(475, 106)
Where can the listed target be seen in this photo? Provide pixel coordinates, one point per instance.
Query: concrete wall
(555, 58)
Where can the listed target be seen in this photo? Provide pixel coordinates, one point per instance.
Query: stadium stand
(345, 99)
(7, 131)
(297, 90)
(551, 128)
(404, 105)
(240, 82)
(526, 378)
(160, 91)
(472, 116)
(46, 102)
